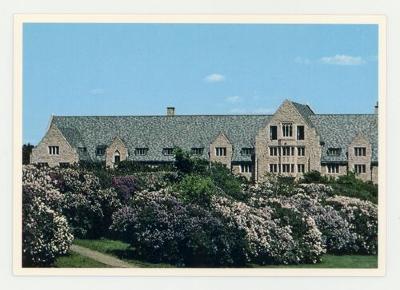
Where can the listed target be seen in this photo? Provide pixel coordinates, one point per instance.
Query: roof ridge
(165, 116)
(346, 114)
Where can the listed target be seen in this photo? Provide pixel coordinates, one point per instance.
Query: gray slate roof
(338, 131)
(158, 132)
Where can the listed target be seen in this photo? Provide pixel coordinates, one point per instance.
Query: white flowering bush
(348, 225)
(271, 239)
(45, 231)
(363, 219)
(87, 206)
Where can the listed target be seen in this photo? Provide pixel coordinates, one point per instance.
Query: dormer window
(247, 151)
(287, 130)
(334, 151)
(54, 150)
(100, 150)
(82, 149)
(141, 151)
(168, 151)
(197, 151)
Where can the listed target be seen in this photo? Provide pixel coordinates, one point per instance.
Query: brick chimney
(170, 111)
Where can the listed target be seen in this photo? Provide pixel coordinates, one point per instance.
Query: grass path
(100, 257)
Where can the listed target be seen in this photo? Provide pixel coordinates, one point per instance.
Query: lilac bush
(363, 219)
(87, 207)
(269, 238)
(45, 231)
(348, 225)
(163, 228)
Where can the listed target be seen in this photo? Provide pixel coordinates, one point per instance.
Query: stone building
(290, 142)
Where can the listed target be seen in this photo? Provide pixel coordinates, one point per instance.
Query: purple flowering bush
(162, 228)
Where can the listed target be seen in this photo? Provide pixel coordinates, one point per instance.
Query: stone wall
(374, 174)
(54, 137)
(360, 141)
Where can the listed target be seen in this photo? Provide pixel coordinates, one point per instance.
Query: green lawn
(122, 251)
(333, 261)
(119, 250)
(74, 260)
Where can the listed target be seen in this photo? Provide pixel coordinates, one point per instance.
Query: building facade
(290, 142)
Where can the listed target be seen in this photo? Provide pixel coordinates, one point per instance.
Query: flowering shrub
(162, 228)
(87, 207)
(45, 232)
(348, 225)
(125, 186)
(363, 219)
(271, 239)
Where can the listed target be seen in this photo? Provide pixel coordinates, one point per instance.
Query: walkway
(100, 257)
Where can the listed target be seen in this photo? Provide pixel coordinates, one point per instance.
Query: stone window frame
(301, 168)
(360, 151)
(286, 167)
(301, 151)
(360, 168)
(54, 150)
(274, 151)
(273, 168)
(287, 151)
(273, 132)
(287, 129)
(302, 135)
(220, 151)
(246, 168)
(332, 168)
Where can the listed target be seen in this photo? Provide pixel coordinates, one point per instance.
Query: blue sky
(140, 69)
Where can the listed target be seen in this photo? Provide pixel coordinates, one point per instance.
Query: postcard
(199, 145)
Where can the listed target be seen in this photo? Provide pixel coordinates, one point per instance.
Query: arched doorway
(117, 157)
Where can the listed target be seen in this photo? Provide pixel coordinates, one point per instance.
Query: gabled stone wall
(221, 141)
(54, 137)
(312, 159)
(117, 145)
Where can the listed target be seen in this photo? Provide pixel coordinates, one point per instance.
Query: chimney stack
(170, 111)
(376, 108)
